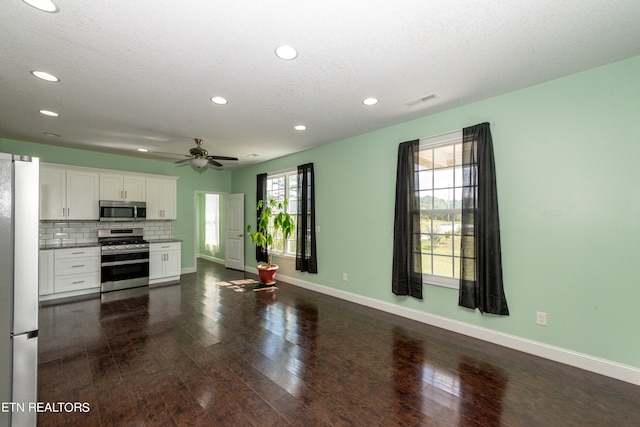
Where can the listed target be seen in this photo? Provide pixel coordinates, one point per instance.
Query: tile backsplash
(76, 232)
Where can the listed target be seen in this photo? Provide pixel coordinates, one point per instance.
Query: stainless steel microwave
(115, 210)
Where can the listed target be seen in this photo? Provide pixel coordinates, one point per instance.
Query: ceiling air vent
(420, 100)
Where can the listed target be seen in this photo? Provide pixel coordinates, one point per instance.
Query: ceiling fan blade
(213, 162)
(183, 160)
(169, 154)
(222, 158)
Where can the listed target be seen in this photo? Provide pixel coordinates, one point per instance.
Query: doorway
(210, 229)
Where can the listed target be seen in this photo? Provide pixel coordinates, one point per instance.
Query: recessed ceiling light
(286, 52)
(43, 5)
(370, 101)
(143, 150)
(55, 135)
(219, 100)
(49, 113)
(45, 76)
(300, 127)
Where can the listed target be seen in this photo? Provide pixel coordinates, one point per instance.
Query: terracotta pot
(267, 273)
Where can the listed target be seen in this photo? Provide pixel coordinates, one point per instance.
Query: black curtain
(481, 267)
(306, 221)
(261, 194)
(407, 258)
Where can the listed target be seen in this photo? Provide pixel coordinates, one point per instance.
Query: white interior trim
(211, 258)
(600, 366)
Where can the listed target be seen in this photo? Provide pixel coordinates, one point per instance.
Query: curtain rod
(493, 124)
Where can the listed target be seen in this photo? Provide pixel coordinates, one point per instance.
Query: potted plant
(273, 219)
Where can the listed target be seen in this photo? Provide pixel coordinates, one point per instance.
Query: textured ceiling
(141, 73)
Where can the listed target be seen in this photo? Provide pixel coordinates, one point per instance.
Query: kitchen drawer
(164, 247)
(65, 267)
(78, 252)
(76, 282)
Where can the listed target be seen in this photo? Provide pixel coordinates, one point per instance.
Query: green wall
(567, 155)
(191, 180)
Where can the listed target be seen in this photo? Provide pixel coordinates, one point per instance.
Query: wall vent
(420, 100)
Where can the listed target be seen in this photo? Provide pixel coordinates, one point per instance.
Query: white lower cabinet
(69, 272)
(164, 262)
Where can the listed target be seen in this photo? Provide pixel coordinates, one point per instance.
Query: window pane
(442, 178)
(443, 156)
(443, 199)
(425, 223)
(426, 159)
(425, 243)
(426, 199)
(458, 154)
(457, 194)
(426, 264)
(293, 194)
(443, 266)
(457, 224)
(456, 267)
(456, 244)
(425, 180)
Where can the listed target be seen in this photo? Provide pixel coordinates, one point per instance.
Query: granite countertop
(95, 244)
(152, 241)
(69, 245)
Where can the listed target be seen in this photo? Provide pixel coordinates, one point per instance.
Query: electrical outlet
(345, 277)
(317, 228)
(541, 318)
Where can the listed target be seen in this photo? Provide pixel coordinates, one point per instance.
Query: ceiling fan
(199, 157)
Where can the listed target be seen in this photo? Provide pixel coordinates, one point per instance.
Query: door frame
(196, 226)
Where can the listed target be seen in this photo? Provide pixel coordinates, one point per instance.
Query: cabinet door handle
(77, 266)
(77, 283)
(125, 194)
(77, 253)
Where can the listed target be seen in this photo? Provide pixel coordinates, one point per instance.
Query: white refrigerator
(19, 187)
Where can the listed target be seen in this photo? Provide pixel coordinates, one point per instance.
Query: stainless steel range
(124, 259)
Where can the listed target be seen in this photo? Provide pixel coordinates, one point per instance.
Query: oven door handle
(124, 251)
(131, 261)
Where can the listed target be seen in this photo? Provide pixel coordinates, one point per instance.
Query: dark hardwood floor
(202, 354)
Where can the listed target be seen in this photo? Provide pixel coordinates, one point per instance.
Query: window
(212, 222)
(283, 187)
(440, 195)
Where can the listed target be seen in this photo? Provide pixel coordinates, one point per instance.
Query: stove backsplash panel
(79, 232)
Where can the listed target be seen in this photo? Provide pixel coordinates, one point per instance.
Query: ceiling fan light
(199, 162)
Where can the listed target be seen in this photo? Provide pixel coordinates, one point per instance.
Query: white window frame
(291, 208)
(447, 139)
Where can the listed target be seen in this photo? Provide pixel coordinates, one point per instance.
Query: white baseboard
(600, 366)
(211, 258)
(188, 270)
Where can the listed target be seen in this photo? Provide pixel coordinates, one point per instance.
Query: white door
(235, 232)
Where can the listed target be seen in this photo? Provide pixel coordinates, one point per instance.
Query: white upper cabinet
(68, 193)
(161, 198)
(114, 186)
